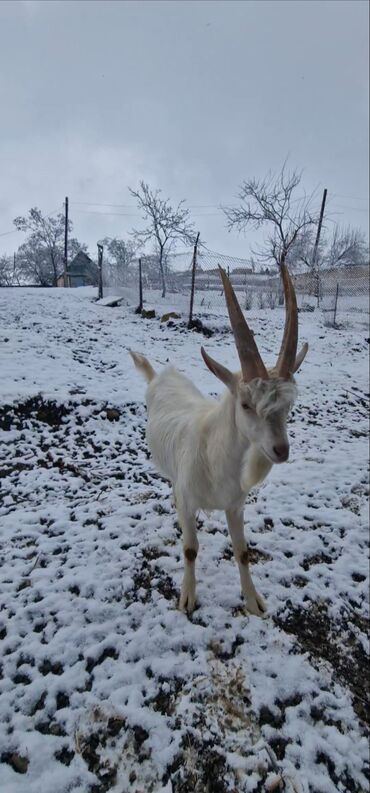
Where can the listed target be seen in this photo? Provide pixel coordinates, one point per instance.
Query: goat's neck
(225, 442)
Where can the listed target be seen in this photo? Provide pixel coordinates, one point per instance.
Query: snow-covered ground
(105, 685)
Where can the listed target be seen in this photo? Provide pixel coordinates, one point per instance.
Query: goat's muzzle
(281, 452)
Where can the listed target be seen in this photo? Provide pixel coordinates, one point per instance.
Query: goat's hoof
(256, 605)
(187, 600)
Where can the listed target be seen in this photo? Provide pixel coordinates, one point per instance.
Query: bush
(248, 299)
(271, 299)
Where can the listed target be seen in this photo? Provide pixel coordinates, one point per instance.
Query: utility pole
(100, 271)
(315, 269)
(66, 241)
(140, 287)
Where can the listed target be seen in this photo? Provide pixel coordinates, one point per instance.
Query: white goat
(214, 452)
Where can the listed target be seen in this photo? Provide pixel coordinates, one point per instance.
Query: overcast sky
(190, 96)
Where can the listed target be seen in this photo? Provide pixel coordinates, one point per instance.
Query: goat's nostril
(282, 452)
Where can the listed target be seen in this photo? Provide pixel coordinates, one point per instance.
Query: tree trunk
(55, 272)
(161, 269)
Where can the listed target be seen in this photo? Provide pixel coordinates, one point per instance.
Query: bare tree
(34, 263)
(270, 201)
(121, 254)
(40, 257)
(346, 247)
(8, 275)
(301, 251)
(75, 246)
(165, 224)
(343, 248)
(47, 233)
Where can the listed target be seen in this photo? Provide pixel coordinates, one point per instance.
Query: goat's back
(173, 404)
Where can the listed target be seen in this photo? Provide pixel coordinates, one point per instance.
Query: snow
(110, 300)
(105, 684)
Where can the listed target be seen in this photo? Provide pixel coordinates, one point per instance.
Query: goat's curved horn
(286, 360)
(251, 362)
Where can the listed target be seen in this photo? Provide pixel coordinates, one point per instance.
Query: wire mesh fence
(344, 294)
(337, 294)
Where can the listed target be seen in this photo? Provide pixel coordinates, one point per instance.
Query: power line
(137, 215)
(49, 214)
(352, 209)
(207, 206)
(351, 197)
(18, 231)
(107, 214)
(97, 204)
(196, 206)
(129, 206)
(5, 233)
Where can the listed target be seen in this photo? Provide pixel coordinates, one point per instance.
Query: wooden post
(140, 306)
(316, 247)
(336, 304)
(194, 265)
(100, 271)
(65, 242)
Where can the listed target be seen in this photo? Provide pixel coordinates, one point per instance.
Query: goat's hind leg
(188, 525)
(255, 603)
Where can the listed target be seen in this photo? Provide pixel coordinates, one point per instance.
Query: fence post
(194, 265)
(140, 306)
(315, 265)
(336, 304)
(65, 259)
(100, 271)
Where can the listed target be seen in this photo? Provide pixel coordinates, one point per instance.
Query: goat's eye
(246, 407)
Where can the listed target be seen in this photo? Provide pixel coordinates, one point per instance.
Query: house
(241, 271)
(81, 271)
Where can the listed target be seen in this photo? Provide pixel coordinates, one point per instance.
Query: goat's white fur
(214, 452)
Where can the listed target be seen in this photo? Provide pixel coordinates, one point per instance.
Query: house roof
(79, 263)
(82, 259)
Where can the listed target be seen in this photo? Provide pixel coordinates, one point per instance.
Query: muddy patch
(338, 643)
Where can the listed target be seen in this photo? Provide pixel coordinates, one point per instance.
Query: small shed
(81, 270)
(60, 280)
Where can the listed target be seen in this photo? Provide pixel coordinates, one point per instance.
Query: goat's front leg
(188, 525)
(235, 522)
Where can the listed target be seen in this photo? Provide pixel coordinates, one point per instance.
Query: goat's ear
(300, 357)
(219, 371)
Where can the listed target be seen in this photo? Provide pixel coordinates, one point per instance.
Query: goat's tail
(143, 365)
